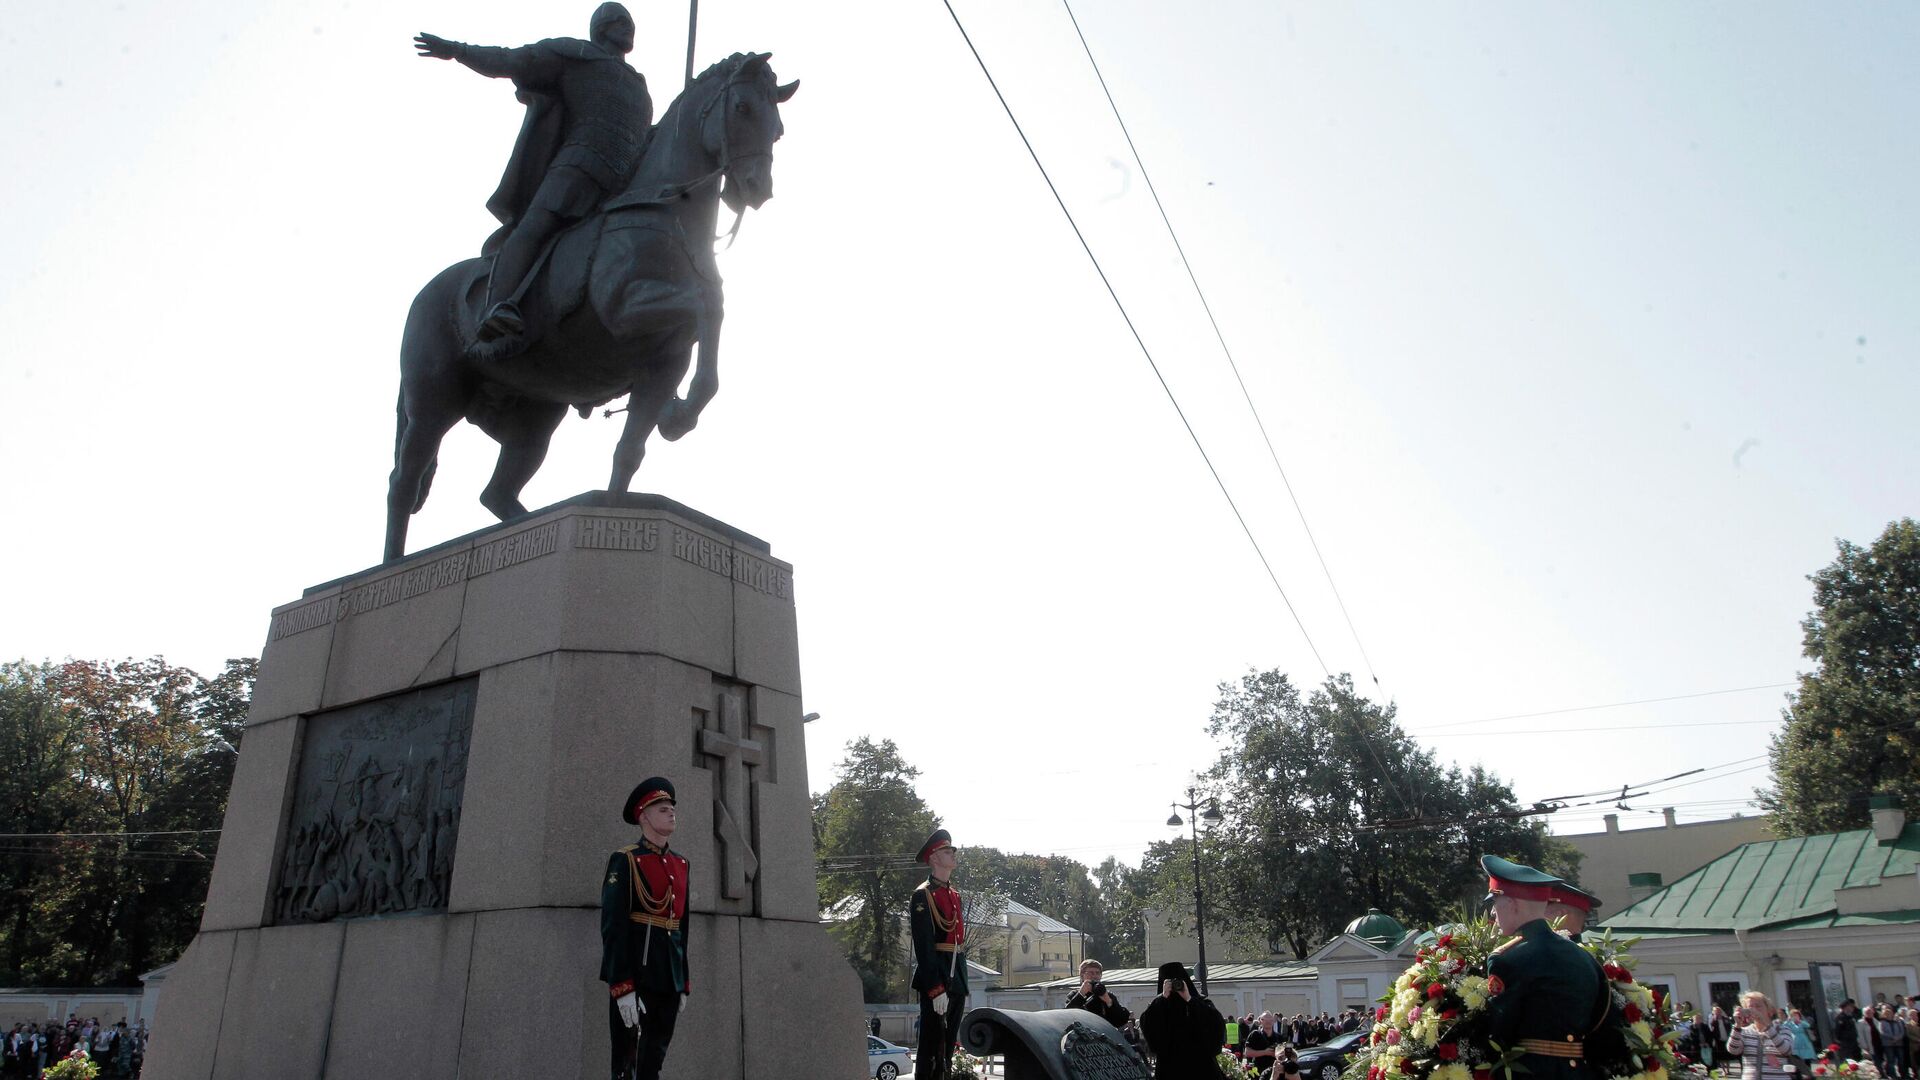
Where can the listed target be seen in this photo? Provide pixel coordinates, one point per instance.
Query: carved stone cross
(731, 813)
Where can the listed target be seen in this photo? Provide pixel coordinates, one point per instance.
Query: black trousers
(640, 1051)
(934, 1056)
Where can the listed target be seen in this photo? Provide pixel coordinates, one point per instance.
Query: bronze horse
(617, 307)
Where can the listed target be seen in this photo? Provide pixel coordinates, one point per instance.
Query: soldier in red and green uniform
(937, 919)
(1546, 996)
(643, 935)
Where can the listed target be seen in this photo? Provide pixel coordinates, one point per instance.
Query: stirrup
(503, 320)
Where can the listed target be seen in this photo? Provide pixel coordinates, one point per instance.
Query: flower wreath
(1433, 1024)
(1831, 1065)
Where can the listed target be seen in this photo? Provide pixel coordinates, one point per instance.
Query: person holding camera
(1094, 996)
(1263, 1045)
(1764, 1047)
(1183, 1029)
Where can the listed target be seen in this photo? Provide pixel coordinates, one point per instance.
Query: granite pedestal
(429, 786)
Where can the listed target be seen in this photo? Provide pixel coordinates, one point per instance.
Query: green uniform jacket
(939, 955)
(642, 951)
(1549, 989)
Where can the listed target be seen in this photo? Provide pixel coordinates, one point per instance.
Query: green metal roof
(1778, 883)
(1377, 928)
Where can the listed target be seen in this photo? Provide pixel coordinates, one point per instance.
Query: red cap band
(1520, 890)
(649, 799)
(1571, 899)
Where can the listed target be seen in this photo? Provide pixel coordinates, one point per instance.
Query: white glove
(630, 1008)
(940, 1003)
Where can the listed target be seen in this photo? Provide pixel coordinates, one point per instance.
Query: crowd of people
(31, 1048)
(1770, 1043)
(1181, 1030)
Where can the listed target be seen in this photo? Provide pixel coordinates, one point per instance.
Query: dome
(1377, 928)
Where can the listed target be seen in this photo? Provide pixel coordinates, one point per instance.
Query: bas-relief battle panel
(376, 810)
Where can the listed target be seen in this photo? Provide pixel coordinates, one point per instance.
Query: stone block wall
(610, 638)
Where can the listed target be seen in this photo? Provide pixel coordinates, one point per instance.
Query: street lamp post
(1210, 813)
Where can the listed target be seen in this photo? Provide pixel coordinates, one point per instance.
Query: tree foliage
(1303, 783)
(1853, 724)
(1096, 902)
(111, 807)
(867, 828)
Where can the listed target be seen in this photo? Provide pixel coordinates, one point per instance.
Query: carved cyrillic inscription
(305, 617)
(513, 550)
(616, 534)
(438, 574)
(604, 533)
(714, 555)
(376, 807)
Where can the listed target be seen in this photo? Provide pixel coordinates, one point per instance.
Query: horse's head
(741, 124)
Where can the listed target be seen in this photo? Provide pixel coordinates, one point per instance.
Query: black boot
(503, 320)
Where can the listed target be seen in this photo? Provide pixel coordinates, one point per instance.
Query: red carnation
(1447, 1051)
(1446, 939)
(1450, 1014)
(1436, 990)
(1380, 1013)
(1483, 1074)
(1632, 1011)
(1833, 1048)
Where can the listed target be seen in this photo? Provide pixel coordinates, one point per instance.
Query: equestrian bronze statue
(601, 280)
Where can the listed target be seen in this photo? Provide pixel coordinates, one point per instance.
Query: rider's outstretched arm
(528, 65)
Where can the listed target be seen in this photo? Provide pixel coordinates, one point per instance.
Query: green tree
(39, 799)
(1853, 724)
(867, 828)
(1121, 934)
(131, 763)
(1330, 808)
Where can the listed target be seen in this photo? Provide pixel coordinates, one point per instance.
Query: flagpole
(693, 22)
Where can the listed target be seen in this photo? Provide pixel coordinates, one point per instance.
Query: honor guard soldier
(1545, 994)
(1573, 906)
(643, 935)
(938, 922)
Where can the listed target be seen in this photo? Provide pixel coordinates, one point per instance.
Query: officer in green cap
(1572, 906)
(1545, 994)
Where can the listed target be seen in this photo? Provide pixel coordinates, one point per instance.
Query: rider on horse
(588, 115)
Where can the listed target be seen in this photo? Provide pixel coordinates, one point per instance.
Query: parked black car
(1326, 1061)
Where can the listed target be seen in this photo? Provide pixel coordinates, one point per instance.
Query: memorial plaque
(376, 807)
(1057, 1044)
(1092, 1055)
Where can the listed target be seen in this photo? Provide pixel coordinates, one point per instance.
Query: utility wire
(1222, 339)
(68, 835)
(1576, 730)
(1138, 340)
(1365, 738)
(1610, 705)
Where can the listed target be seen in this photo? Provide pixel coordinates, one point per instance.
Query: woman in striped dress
(1762, 1043)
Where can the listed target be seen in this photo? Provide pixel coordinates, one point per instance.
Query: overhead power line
(71, 835)
(1137, 339)
(1580, 730)
(1365, 737)
(1609, 705)
(1221, 337)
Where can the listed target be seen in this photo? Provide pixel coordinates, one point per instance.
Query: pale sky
(1582, 331)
